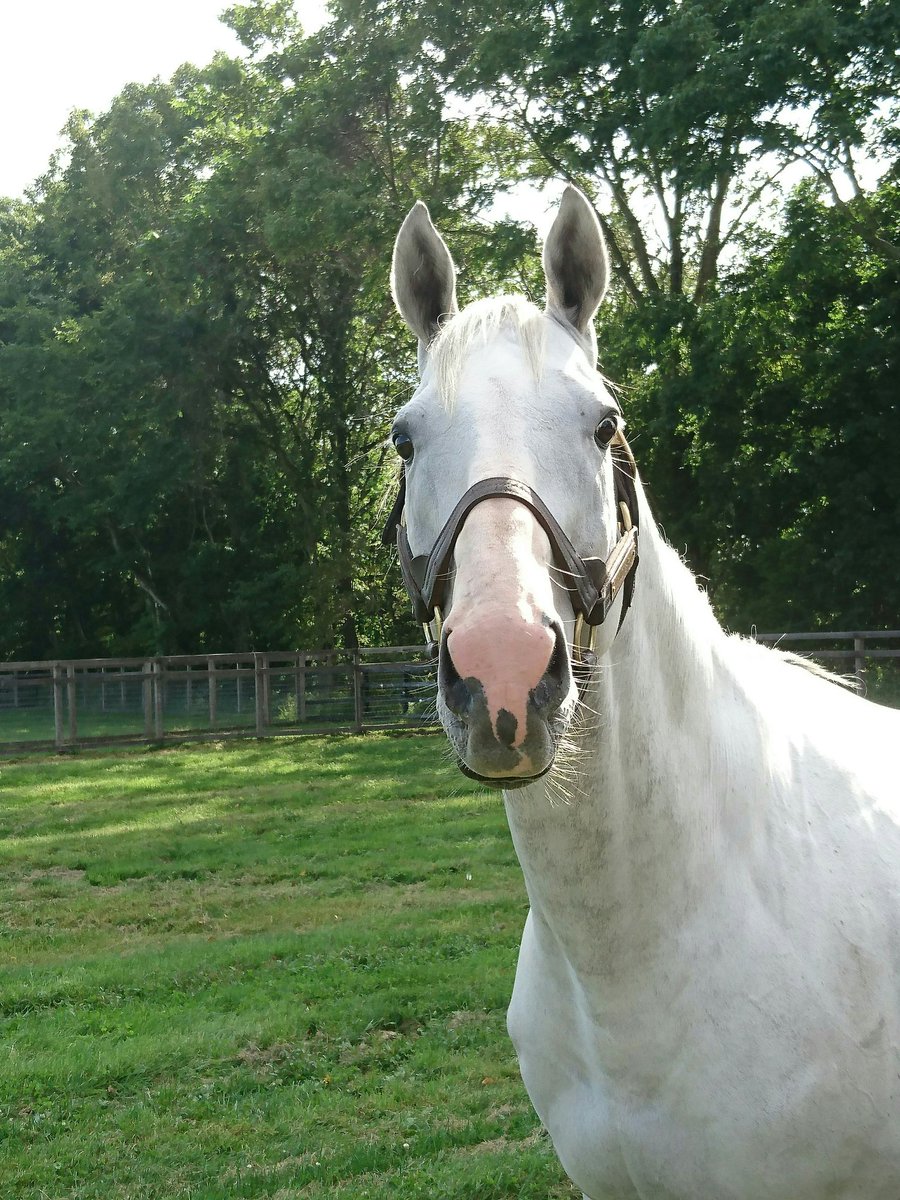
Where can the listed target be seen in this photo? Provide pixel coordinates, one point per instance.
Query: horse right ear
(575, 262)
(423, 277)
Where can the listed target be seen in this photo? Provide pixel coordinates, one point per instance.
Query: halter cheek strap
(592, 583)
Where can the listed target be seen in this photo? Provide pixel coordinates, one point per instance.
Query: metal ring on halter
(433, 640)
(581, 646)
(584, 658)
(578, 634)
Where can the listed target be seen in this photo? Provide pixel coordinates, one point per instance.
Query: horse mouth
(505, 749)
(505, 782)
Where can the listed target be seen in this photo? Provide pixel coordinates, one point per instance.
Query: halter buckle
(433, 640)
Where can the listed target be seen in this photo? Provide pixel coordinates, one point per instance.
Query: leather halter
(592, 583)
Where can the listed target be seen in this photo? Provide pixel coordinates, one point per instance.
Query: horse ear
(575, 262)
(423, 277)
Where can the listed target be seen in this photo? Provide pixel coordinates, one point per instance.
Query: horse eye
(403, 445)
(606, 430)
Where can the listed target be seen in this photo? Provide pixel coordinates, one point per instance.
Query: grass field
(270, 969)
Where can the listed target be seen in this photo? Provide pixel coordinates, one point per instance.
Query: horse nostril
(462, 694)
(456, 692)
(558, 667)
(554, 685)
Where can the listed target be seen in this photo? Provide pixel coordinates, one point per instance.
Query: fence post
(238, 690)
(58, 734)
(300, 686)
(72, 701)
(147, 692)
(158, 699)
(859, 658)
(213, 695)
(259, 680)
(188, 690)
(357, 693)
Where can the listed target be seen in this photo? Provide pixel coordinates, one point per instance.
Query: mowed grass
(271, 969)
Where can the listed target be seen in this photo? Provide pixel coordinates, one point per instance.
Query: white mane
(477, 324)
(691, 626)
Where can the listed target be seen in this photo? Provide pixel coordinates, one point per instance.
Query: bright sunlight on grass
(272, 969)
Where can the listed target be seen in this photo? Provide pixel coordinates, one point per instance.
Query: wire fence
(81, 702)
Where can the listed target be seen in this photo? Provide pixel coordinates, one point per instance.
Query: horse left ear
(575, 262)
(423, 277)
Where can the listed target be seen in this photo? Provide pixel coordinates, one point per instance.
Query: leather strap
(395, 516)
(592, 583)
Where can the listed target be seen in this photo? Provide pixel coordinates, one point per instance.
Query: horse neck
(630, 847)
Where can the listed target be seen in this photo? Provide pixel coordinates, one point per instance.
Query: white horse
(707, 1003)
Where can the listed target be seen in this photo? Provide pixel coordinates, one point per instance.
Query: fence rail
(101, 701)
(866, 653)
(96, 701)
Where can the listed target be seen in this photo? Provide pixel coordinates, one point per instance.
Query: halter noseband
(592, 583)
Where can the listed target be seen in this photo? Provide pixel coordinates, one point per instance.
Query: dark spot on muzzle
(487, 748)
(506, 727)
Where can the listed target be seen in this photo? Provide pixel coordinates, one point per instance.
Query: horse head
(516, 537)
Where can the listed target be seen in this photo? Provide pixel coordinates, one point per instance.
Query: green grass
(883, 681)
(271, 969)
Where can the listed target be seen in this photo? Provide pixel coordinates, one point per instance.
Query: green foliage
(768, 424)
(199, 357)
(676, 114)
(262, 970)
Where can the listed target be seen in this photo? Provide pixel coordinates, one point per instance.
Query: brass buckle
(578, 643)
(434, 639)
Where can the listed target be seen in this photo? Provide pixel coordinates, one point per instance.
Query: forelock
(474, 327)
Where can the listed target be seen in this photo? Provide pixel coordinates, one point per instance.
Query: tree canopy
(199, 358)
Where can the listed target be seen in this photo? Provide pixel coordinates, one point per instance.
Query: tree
(771, 425)
(198, 352)
(680, 116)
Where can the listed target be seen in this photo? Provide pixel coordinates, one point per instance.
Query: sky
(65, 54)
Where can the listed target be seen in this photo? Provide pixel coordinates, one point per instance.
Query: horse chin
(494, 762)
(506, 784)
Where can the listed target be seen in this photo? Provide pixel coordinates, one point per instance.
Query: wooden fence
(98, 701)
(101, 701)
(873, 656)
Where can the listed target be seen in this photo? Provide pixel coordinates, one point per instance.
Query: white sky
(56, 55)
